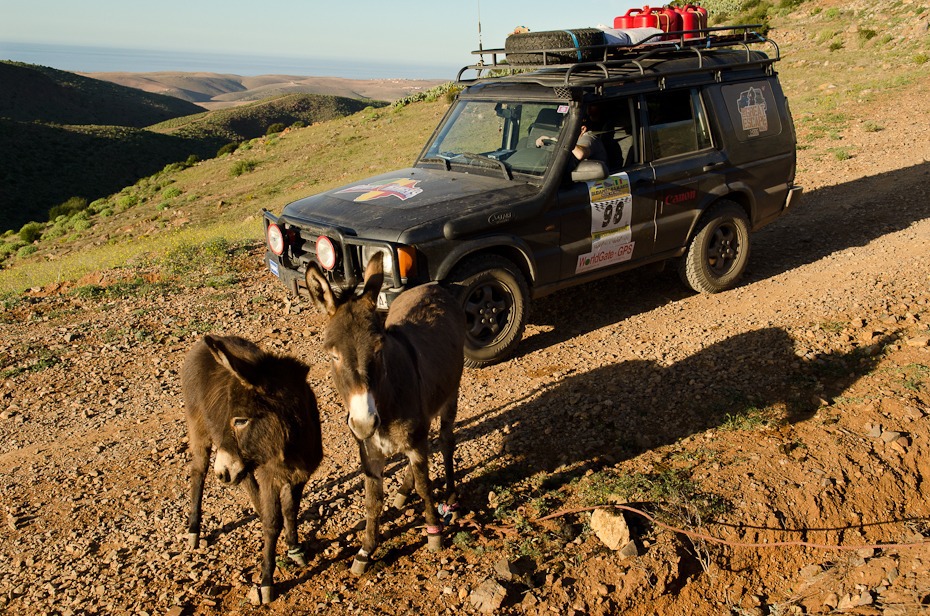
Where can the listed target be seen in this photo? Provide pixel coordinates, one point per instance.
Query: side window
(619, 134)
(677, 123)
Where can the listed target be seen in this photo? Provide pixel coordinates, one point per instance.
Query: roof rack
(660, 46)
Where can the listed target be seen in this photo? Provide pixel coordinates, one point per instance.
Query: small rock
(610, 527)
(890, 436)
(918, 341)
(831, 601)
(175, 610)
(810, 572)
(504, 570)
(629, 550)
(488, 597)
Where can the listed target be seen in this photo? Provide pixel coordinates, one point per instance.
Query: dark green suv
(700, 151)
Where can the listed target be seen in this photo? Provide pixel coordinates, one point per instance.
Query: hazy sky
(423, 32)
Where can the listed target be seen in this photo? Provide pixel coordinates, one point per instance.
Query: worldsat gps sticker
(611, 214)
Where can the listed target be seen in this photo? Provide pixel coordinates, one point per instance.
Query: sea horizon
(92, 59)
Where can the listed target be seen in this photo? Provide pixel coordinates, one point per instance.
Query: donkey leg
(290, 507)
(373, 466)
(420, 466)
(400, 499)
(447, 446)
(272, 522)
(201, 460)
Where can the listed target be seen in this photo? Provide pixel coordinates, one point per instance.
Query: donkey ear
(320, 291)
(374, 278)
(243, 369)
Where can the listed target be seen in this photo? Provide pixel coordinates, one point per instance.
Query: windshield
(501, 137)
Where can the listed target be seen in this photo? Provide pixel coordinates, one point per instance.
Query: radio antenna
(480, 46)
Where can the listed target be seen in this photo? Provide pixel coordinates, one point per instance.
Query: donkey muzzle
(228, 468)
(363, 415)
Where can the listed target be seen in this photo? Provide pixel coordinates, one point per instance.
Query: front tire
(719, 252)
(494, 294)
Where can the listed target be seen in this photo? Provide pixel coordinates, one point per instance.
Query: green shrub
(171, 192)
(867, 35)
(25, 251)
(192, 160)
(229, 148)
(31, 231)
(275, 128)
(97, 206)
(124, 202)
(242, 166)
(298, 124)
(69, 207)
(82, 224)
(832, 13)
(836, 45)
(921, 58)
(9, 248)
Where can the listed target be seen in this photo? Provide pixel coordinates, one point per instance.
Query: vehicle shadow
(827, 220)
(612, 413)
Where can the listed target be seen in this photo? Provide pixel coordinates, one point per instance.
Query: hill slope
(30, 93)
(218, 91)
(70, 136)
(252, 120)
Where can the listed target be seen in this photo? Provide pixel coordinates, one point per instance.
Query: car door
(685, 164)
(610, 223)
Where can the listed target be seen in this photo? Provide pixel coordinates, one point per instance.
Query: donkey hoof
(359, 565)
(297, 556)
(193, 540)
(400, 500)
(261, 595)
(434, 540)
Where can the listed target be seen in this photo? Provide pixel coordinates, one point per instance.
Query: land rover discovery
(700, 151)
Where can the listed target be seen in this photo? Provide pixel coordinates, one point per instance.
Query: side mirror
(589, 171)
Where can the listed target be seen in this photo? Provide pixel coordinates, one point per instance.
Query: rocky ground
(795, 408)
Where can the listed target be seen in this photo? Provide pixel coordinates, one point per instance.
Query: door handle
(712, 166)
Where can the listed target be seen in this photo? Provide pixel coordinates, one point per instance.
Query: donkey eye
(335, 356)
(240, 422)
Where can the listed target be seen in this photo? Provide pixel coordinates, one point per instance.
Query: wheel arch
(509, 248)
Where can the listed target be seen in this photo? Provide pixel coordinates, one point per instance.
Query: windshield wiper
(435, 159)
(481, 158)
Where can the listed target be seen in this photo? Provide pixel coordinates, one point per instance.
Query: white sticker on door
(611, 215)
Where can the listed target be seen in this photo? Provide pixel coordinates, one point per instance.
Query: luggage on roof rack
(605, 48)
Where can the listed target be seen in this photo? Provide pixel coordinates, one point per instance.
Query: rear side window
(752, 110)
(677, 123)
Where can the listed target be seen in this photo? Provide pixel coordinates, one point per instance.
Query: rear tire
(494, 294)
(719, 252)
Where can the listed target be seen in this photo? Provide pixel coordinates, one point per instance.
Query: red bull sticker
(611, 215)
(402, 188)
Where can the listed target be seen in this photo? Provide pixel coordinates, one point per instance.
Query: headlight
(325, 252)
(405, 261)
(275, 239)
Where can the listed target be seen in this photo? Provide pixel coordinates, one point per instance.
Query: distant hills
(67, 135)
(218, 90)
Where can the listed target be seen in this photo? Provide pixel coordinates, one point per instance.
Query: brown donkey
(394, 377)
(261, 415)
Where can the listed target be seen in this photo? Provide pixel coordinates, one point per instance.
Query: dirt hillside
(795, 408)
